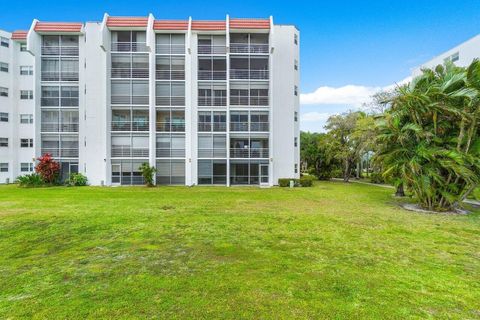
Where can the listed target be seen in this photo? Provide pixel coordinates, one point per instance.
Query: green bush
(30, 180)
(376, 177)
(284, 182)
(306, 181)
(76, 180)
(148, 173)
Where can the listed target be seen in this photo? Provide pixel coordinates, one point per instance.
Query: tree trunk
(346, 174)
(358, 170)
(400, 192)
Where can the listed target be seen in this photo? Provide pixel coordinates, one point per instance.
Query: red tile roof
(250, 23)
(170, 25)
(134, 22)
(58, 27)
(209, 25)
(19, 35)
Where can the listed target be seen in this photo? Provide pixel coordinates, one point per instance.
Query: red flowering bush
(47, 168)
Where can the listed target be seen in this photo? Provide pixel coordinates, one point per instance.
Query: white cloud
(352, 95)
(314, 116)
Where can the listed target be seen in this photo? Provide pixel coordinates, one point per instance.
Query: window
(26, 70)
(26, 167)
(295, 64)
(26, 118)
(3, 167)
(455, 57)
(26, 143)
(295, 38)
(295, 90)
(23, 47)
(3, 92)
(3, 142)
(4, 42)
(295, 116)
(3, 117)
(26, 94)
(296, 168)
(3, 67)
(295, 142)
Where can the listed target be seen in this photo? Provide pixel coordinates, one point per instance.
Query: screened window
(3, 142)
(4, 42)
(212, 172)
(26, 70)
(3, 92)
(3, 67)
(4, 167)
(26, 167)
(26, 118)
(26, 94)
(3, 117)
(26, 143)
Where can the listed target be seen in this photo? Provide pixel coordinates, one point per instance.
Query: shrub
(47, 168)
(77, 180)
(376, 177)
(284, 182)
(148, 173)
(30, 180)
(306, 181)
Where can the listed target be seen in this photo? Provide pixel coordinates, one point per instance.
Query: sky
(349, 49)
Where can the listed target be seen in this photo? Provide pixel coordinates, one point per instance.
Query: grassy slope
(334, 250)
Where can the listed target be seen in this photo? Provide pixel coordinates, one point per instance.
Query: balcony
(170, 126)
(170, 49)
(128, 99)
(134, 73)
(210, 49)
(129, 47)
(212, 101)
(119, 151)
(248, 74)
(208, 126)
(246, 48)
(125, 125)
(59, 127)
(59, 76)
(170, 101)
(170, 153)
(61, 152)
(170, 74)
(212, 75)
(59, 102)
(254, 153)
(71, 51)
(259, 126)
(238, 126)
(249, 100)
(212, 153)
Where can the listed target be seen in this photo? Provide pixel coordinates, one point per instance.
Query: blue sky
(369, 44)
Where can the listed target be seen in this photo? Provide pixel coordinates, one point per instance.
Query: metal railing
(61, 152)
(170, 49)
(129, 47)
(135, 73)
(212, 101)
(59, 76)
(259, 126)
(249, 153)
(129, 99)
(59, 102)
(249, 100)
(129, 151)
(125, 125)
(71, 51)
(212, 126)
(212, 75)
(211, 49)
(170, 101)
(212, 152)
(170, 126)
(246, 48)
(245, 74)
(59, 127)
(170, 153)
(238, 126)
(170, 74)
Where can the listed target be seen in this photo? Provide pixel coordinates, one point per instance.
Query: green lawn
(331, 251)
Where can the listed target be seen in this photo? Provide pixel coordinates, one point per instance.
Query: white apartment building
(205, 102)
(462, 55)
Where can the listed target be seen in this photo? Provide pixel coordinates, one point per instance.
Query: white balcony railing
(120, 125)
(212, 153)
(170, 74)
(128, 99)
(259, 126)
(59, 127)
(212, 75)
(170, 101)
(129, 151)
(170, 49)
(249, 100)
(212, 101)
(163, 126)
(246, 74)
(70, 51)
(170, 153)
(129, 47)
(57, 101)
(59, 76)
(209, 49)
(134, 73)
(246, 48)
(61, 152)
(249, 153)
(238, 126)
(209, 126)
(252, 126)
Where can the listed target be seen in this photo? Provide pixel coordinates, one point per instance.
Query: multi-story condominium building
(205, 102)
(462, 55)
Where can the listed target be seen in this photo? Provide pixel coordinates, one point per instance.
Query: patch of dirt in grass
(417, 208)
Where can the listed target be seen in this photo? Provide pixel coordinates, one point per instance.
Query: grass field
(331, 251)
